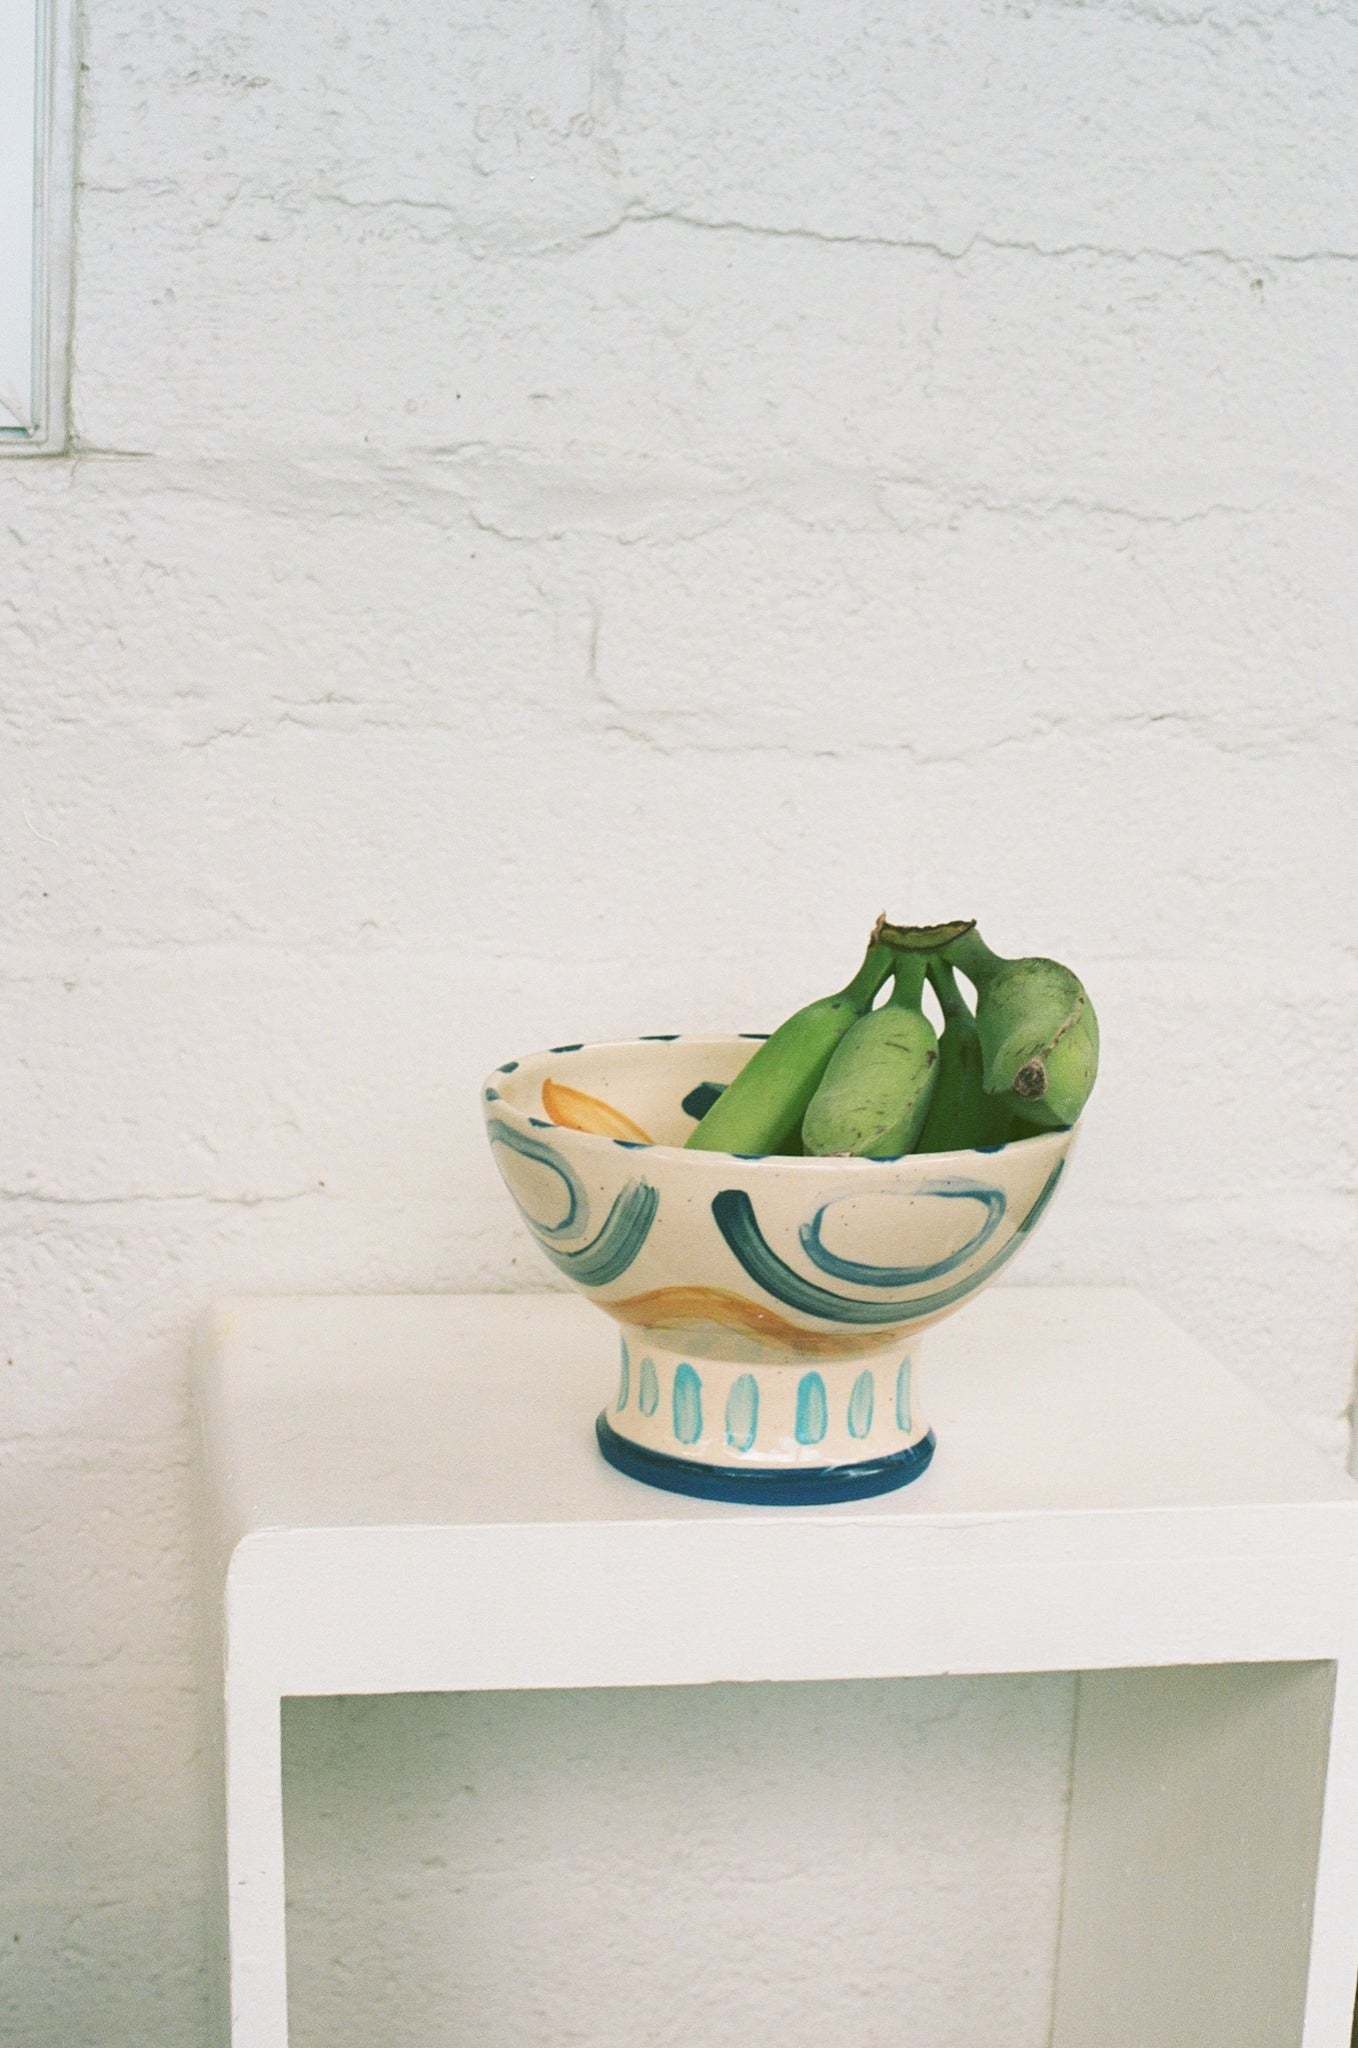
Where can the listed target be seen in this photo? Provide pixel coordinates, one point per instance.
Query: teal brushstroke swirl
(576, 1217)
(623, 1232)
(619, 1238)
(734, 1214)
(1034, 1216)
(860, 1275)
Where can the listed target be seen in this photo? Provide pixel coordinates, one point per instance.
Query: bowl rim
(493, 1103)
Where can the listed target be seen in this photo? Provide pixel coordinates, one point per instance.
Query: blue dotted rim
(812, 1486)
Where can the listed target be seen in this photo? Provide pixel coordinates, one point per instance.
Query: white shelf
(405, 1496)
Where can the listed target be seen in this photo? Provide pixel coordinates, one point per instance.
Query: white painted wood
(1330, 2001)
(350, 1411)
(36, 143)
(407, 1498)
(1191, 1856)
(256, 1904)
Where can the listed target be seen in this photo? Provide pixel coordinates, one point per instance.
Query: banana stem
(908, 985)
(951, 1000)
(877, 965)
(921, 938)
(974, 957)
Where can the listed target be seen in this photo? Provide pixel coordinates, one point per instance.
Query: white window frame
(36, 130)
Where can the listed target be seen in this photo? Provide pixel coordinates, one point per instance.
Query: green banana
(961, 1114)
(762, 1109)
(874, 1096)
(1039, 1035)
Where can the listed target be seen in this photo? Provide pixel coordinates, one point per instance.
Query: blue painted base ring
(765, 1486)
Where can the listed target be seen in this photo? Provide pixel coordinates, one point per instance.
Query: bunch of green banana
(762, 1109)
(842, 1078)
(874, 1097)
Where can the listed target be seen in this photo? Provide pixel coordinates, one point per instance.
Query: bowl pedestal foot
(787, 1433)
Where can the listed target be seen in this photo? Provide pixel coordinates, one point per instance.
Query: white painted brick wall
(576, 508)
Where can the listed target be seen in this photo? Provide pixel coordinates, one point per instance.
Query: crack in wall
(961, 251)
(521, 495)
(518, 238)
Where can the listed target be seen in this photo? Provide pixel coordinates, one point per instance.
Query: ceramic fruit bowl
(769, 1308)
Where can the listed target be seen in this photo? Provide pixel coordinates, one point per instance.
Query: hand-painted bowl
(769, 1308)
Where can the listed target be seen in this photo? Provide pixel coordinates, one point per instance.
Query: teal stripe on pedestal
(688, 1405)
(861, 1405)
(742, 1413)
(812, 1413)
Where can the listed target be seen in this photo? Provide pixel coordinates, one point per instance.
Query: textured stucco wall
(576, 508)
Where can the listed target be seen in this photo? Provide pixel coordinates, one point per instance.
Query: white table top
(406, 1496)
(414, 1410)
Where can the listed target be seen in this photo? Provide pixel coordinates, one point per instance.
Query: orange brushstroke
(666, 1308)
(580, 1112)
